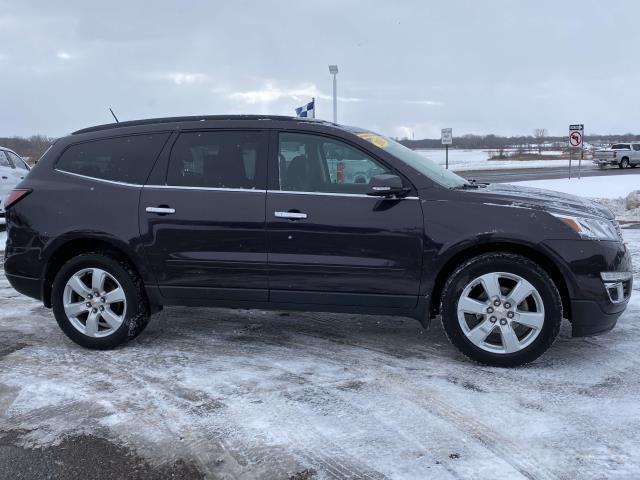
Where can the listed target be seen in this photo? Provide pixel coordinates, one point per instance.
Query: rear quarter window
(123, 159)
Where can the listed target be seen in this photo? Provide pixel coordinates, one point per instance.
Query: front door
(330, 243)
(203, 228)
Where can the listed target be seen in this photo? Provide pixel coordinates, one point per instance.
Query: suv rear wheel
(99, 301)
(501, 309)
(624, 163)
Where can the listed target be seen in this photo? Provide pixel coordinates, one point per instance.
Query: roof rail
(195, 118)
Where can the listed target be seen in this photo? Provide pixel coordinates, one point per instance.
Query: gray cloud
(483, 67)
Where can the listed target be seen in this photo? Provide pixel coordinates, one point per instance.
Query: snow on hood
(541, 199)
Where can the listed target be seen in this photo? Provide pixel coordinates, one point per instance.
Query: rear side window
(636, 146)
(122, 159)
(222, 159)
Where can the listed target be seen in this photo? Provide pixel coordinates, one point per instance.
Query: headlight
(592, 228)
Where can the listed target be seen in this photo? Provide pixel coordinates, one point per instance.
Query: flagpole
(313, 100)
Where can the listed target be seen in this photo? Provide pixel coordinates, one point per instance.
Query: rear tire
(624, 163)
(510, 331)
(99, 301)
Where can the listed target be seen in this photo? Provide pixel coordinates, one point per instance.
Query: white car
(13, 169)
(622, 155)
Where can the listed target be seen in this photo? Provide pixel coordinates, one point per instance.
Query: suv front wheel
(99, 301)
(501, 309)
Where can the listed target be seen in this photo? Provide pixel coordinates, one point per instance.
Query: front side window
(121, 159)
(620, 146)
(17, 161)
(222, 159)
(312, 163)
(4, 161)
(426, 167)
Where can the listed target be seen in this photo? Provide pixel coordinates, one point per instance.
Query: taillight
(15, 196)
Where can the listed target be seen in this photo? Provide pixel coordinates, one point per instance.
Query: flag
(308, 110)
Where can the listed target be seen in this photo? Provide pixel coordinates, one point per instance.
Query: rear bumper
(31, 287)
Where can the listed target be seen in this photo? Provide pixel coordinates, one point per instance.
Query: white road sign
(447, 136)
(575, 135)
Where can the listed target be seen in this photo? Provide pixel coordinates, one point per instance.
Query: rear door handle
(161, 210)
(291, 215)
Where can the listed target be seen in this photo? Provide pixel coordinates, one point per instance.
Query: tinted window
(620, 146)
(220, 159)
(4, 161)
(312, 163)
(17, 161)
(122, 159)
(636, 146)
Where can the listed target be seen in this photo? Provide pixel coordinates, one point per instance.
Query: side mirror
(386, 186)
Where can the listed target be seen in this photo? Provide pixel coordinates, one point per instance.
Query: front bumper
(591, 310)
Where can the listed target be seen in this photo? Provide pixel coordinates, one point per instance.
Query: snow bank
(610, 191)
(3, 240)
(618, 186)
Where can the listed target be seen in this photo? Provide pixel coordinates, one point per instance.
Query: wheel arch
(460, 256)
(70, 247)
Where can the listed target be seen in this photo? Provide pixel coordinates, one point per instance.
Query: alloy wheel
(94, 302)
(500, 312)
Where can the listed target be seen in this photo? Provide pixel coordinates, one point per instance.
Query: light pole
(333, 70)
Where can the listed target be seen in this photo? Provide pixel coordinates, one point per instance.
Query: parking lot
(251, 394)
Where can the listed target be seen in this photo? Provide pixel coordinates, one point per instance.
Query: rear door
(203, 224)
(330, 243)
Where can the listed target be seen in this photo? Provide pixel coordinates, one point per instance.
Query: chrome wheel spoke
(115, 296)
(521, 291)
(92, 324)
(490, 284)
(97, 279)
(75, 309)
(470, 305)
(78, 286)
(510, 340)
(480, 333)
(111, 318)
(530, 319)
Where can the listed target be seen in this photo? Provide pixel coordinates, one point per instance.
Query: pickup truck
(623, 155)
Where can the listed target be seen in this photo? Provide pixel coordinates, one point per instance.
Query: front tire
(501, 309)
(624, 163)
(99, 301)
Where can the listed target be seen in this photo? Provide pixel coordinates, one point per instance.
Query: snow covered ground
(3, 239)
(608, 190)
(466, 160)
(250, 394)
(600, 187)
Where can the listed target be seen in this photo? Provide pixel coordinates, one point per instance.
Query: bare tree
(540, 134)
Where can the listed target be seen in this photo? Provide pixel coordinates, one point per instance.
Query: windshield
(412, 158)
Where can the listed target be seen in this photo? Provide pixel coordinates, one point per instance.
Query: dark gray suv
(119, 220)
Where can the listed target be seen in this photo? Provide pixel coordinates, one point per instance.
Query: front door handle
(161, 210)
(291, 215)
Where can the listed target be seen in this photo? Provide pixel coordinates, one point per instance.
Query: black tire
(514, 264)
(624, 163)
(137, 310)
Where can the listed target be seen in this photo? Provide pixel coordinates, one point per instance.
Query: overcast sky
(502, 67)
